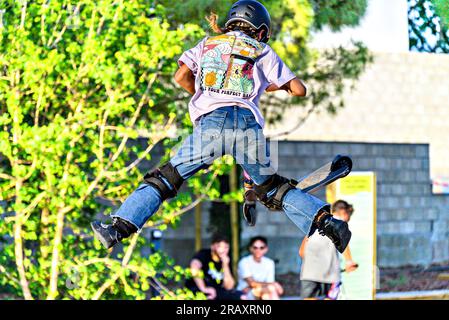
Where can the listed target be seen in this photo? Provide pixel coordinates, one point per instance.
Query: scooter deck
(338, 168)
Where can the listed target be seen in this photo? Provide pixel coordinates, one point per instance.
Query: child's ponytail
(243, 26)
(212, 19)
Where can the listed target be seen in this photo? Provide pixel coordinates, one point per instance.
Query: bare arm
(185, 78)
(228, 279)
(195, 267)
(347, 254)
(302, 248)
(294, 87)
(255, 284)
(264, 286)
(350, 264)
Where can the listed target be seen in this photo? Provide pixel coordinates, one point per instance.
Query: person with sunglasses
(256, 272)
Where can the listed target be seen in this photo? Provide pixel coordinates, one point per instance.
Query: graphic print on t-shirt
(214, 273)
(227, 65)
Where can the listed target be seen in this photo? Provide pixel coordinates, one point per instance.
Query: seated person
(211, 273)
(256, 272)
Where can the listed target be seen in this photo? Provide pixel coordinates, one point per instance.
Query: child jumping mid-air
(227, 74)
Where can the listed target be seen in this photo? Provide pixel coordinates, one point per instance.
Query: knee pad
(271, 192)
(170, 174)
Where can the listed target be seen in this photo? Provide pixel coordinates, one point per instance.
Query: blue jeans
(227, 130)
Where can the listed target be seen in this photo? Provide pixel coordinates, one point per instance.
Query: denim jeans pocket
(211, 125)
(251, 122)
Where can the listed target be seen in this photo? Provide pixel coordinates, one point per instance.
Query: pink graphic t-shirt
(232, 69)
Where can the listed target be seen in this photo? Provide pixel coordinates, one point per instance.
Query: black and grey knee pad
(271, 192)
(170, 174)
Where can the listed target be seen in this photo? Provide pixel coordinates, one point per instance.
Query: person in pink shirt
(226, 75)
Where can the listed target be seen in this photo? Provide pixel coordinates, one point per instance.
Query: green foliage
(337, 14)
(79, 80)
(429, 25)
(442, 9)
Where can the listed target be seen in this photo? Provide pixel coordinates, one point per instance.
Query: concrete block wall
(412, 226)
(412, 223)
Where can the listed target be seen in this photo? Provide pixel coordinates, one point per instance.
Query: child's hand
(351, 266)
(225, 259)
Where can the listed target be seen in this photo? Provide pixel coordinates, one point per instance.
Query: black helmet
(252, 12)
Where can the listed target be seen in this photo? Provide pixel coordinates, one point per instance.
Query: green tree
(337, 14)
(442, 9)
(429, 25)
(79, 80)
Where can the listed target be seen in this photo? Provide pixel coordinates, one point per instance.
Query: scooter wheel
(340, 162)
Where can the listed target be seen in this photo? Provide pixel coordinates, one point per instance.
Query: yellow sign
(354, 184)
(359, 189)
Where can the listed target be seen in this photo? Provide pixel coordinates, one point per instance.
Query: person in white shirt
(320, 269)
(256, 272)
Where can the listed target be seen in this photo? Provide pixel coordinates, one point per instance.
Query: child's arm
(279, 76)
(303, 247)
(294, 87)
(185, 78)
(347, 254)
(188, 67)
(350, 264)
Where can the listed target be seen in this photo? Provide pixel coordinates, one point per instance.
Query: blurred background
(88, 105)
